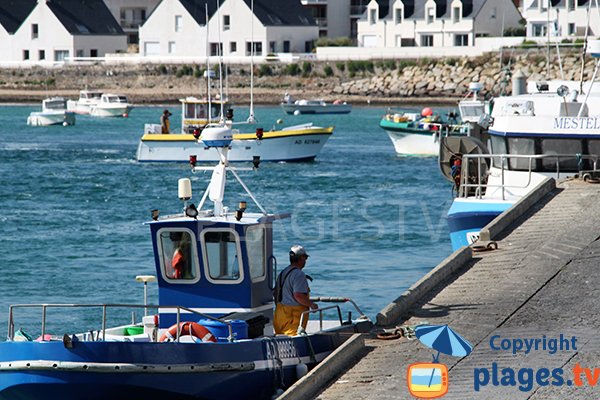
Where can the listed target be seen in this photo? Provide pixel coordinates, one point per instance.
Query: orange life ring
(188, 328)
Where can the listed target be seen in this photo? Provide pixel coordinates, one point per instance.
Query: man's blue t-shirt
(295, 282)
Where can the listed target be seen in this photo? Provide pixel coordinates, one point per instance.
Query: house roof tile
(14, 12)
(85, 17)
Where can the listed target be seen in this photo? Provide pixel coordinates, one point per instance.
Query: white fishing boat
(54, 112)
(87, 99)
(418, 134)
(532, 135)
(294, 143)
(317, 106)
(111, 105)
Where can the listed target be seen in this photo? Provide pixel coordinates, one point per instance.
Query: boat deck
(541, 281)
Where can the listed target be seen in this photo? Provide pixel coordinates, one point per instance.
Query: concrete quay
(540, 283)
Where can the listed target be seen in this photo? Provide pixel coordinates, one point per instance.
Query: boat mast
(209, 111)
(251, 116)
(219, 52)
(583, 50)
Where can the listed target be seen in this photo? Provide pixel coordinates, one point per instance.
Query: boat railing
(305, 315)
(475, 183)
(105, 307)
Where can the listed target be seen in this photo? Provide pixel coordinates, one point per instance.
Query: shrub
(50, 81)
(328, 70)
(390, 64)
(163, 69)
(265, 70)
(306, 67)
(292, 69)
(198, 73)
(528, 43)
(340, 66)
(336, 42)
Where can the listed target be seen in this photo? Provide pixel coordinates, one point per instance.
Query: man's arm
(304, 299)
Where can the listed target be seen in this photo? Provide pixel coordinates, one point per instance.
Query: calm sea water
(73, 201)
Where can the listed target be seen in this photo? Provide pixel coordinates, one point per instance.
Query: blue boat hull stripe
(168, 310)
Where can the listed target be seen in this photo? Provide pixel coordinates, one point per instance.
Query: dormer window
(226, 22)
(178, 23)
(456, 13)
(398, 15)
(34, 31)
(372, 16)
(430, 15)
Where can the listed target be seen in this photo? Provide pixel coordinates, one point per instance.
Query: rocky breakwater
(450, 78)
(380, 81)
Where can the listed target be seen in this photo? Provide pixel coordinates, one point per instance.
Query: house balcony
(131, 24)
(321, 22)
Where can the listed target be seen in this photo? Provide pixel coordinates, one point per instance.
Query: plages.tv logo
(430, 380)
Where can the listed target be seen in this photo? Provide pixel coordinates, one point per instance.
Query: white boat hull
(411, 144)
(79, 108)
(112, 111)
(317, 109)
(51, 118)
(286, 145)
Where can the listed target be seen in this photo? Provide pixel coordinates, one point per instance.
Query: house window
(398, 16)
(225, 22)
(79, 53)
(456, 15)
(286, 46)
(571, 5)
(34, 31)
(172, 47)
(216, 49)
(94, 53)
(538, 30)
(42, 54)
(427, 40)
(372, 16)
(571, 28)
(272, 47)
(25, 54)
(232, 47)
(132, 17)
(257, 48)
(430, 15)
(461, 40)
(308, 46)
(493, 13)
(61, 55)
(178, 23)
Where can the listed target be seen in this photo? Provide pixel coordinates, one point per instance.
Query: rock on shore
(381, 82)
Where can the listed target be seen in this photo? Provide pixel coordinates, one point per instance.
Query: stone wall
(385, 81)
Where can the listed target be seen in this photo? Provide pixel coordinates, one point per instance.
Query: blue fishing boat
(212, 333)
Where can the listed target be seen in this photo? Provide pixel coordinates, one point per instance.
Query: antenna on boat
(220, 137)
(219, 52)
(209, 111)
(251, 119)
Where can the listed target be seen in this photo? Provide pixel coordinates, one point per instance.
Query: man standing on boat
(292, 294)
(165, 124)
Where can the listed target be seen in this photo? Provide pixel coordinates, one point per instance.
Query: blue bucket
(221, 331)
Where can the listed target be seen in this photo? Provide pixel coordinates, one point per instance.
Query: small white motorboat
(111, 105)
(54, 112)
(319, 106)
(87, 99)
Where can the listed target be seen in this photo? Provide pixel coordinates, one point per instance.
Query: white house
(560, 18)
(435, 23)
(131, 14)
(57, 29)
(12, 15)
(178, 28)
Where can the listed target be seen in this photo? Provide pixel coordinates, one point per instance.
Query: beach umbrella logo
(430, 380)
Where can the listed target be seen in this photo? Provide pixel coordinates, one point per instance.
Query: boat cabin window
(178, 254)
(255, 247)
(560, 146)
(222, 256)
(567, 148)
(521, 146)
(195, 110)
